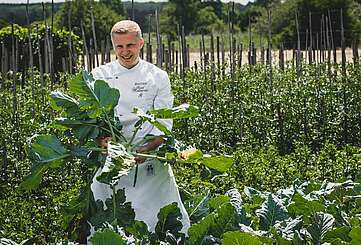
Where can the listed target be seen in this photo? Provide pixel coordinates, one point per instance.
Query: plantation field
(293, 140)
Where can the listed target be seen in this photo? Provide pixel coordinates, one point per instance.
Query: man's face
(127, 47)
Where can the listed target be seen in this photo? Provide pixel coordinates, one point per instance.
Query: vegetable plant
(87, 114)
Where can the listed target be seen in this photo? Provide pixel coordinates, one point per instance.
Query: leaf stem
(136, 154)
(114, 202)
(133, 136)
(110, 125)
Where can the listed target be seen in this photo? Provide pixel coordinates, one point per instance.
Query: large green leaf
(199, 230)
(197, 207)
(271, 211)
(240, 238)
(321, 224)
(145, 117)
(82, 129)
(225, 220)
(179, 112)
(97, 100)
(63, 102)
(121, 213)
(288, 227)
(338, 233)
(47, 149)
(139, 230)
(169, 219)
(46, 152)
(82, 206)
(301, 206)
(81, 86)
(355, 234)
(237, 202)
(107, 237)
(108, 97)
(218, 201)
(298, 239)
(219, 163)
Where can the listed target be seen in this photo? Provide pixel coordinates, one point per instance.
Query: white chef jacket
(147, 87)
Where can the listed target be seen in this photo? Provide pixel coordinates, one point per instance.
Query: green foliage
(207, 21)
(104, 18)
(117, 211)
(321, 224)
(46, 152)
(247, 111)
(60, 44)
(236, 237)
(115, 5)
(327, 150)
(270, 212)
(169, 220)
(284, 20)
(185, 12)
(107, 237)
(16, 13)
(89, 112)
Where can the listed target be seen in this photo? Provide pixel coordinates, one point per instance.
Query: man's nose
(124, 50)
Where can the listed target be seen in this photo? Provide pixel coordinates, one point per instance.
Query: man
(142, 85)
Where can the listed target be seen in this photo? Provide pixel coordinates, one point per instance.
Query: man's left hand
(149, 146)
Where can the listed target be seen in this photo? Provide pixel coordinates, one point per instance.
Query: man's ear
(141, 42)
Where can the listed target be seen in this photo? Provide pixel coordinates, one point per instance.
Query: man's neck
(130, 67)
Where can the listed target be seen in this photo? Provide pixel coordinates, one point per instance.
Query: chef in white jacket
(141, 84)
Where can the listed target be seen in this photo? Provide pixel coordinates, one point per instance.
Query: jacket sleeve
(163, 99)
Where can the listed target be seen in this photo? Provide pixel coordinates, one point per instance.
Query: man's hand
(149, 146)
(103, 141)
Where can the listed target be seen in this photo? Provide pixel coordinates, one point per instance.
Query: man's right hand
(103, 141)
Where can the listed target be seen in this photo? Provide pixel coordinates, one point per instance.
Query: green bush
(60, 45)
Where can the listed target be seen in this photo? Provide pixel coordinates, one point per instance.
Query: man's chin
(127, 64)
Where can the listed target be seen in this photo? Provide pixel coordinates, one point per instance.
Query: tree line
(198, 17)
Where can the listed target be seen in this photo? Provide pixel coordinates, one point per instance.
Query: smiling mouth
(127, 58)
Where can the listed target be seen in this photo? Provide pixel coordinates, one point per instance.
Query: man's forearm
(151, 145)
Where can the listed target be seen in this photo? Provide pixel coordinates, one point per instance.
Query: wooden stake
(94, 36)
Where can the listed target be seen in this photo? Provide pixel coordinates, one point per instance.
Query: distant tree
(104, 18)
(185, 13)
(168, 21)
(284, 21)
(207, 21)
(3, 23)
(355, 12)
(16, 13)
(217, 6)
(195, 16)
(115, 5)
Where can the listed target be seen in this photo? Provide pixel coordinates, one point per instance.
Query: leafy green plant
(60, 43)
(89, 114)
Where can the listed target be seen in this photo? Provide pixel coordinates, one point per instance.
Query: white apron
(147, 87)
(155, 188)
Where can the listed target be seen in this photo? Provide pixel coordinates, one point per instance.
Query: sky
(56, 1)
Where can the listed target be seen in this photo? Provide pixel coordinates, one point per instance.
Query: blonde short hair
(126, 26)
